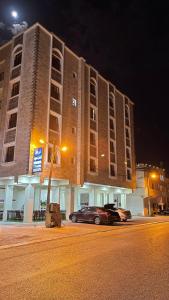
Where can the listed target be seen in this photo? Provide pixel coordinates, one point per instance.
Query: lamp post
(53, 157)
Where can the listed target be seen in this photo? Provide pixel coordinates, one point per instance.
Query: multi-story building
(49, 93)
(152, 191)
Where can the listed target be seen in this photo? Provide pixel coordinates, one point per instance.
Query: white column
(7, 201)
(69, 201)
(37, 198)
(28, 204)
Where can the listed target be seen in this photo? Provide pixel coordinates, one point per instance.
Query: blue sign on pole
(37, 160)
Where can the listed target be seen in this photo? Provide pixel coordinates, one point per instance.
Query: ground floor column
(28, 204)
(69, 201)
(7, 201)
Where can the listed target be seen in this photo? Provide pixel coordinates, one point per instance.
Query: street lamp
(55, 148)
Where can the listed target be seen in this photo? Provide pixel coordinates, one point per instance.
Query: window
(56, 155)
(112, 170)
(74, 102)
(15, 89)
(1, 95)
(128, 174)
(12, 121)
(18, 59)
(111, 105)
(127, 153)
(53, 123)
(73, 130)
(73, 160)
(56, 61)
(112, 152)
(9, 155)
(55, 92)
(111, 124)
(1, 76)
(93, 87)
(92, 114)
(74, 75)
(92, 139)
(127, 115)
(112, 147)
(92, 165)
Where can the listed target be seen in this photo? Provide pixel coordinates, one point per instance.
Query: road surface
(129, 262)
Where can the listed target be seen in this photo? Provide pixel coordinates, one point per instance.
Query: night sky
(128, 43)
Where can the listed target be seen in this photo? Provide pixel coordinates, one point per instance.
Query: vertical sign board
(37, 160)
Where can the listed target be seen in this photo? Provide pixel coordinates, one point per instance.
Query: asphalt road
(129, 262)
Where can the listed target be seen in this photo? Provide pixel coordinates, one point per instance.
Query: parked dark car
(93, 214)
(164, 212)
(123, 213)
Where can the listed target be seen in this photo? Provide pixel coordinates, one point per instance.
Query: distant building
(152, 191)
(49, 93)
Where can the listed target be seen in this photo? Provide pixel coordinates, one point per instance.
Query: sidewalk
(14, 234)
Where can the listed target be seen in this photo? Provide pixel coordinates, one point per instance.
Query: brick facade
(34, 107)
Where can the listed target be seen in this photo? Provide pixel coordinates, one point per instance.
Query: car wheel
(74, 219)
(97, 221)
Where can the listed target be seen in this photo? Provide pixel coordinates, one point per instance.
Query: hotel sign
(37, 160)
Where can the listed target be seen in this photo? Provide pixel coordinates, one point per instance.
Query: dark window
(12, 121)
(93, 87)
(128, 153)
(56, 63)
(112, 170)
(2, 76)
(17, 59)
(92, 165)
(111, 104)
(111, 124)
(92, 139)
(127, 133)
(128, 174)
(55, 92)
(15, 89)
(9, 154)
(73, 130)
(112, 147)
(54, 123)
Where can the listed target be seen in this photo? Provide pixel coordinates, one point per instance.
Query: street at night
(127, 261)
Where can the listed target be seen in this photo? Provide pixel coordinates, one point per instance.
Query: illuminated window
(56, 155)
(92, 114)
(74, 102)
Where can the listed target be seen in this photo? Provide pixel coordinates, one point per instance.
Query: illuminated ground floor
(26, 195)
